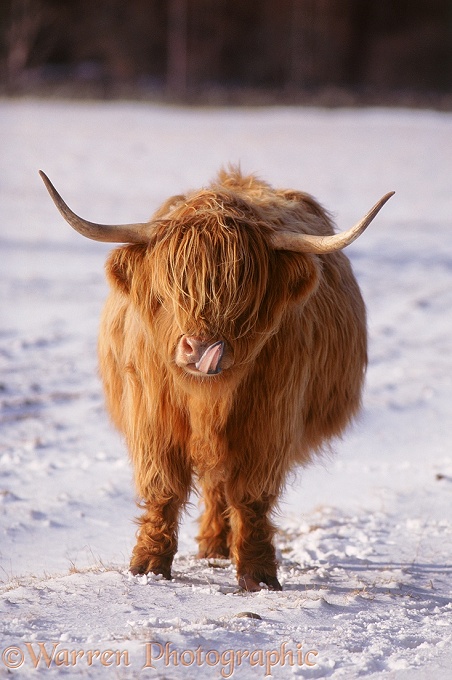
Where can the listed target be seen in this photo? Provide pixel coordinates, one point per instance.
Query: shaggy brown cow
(232, 347)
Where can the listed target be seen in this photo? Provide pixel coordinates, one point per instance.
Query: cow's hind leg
(214, 530)
(252, 545)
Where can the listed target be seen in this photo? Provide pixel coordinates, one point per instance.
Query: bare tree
(25, 20)
(177, 50)
(301, 65)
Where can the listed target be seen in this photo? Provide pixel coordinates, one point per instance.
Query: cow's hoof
(212, 555)
(253, 585)
(139, 570)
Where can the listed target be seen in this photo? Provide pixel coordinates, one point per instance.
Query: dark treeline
(184, 46)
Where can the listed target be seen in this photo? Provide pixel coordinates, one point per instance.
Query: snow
(365, 534)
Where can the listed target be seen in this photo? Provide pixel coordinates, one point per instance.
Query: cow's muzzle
(196, 355)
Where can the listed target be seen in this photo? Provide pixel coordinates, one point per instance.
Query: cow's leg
(252, 541)
(213, 537)
(157, 537)
(164, 492)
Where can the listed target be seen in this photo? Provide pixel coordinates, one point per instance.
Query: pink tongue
(210, 359)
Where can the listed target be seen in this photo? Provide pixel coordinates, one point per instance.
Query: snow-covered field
(365, 540)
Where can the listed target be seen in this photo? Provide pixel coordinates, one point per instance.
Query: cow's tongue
(210, 358)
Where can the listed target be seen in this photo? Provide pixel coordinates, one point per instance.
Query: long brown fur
(295, 326)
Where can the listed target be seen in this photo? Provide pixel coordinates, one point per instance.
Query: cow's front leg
(163, 482)
(157, 537)
(252, 544)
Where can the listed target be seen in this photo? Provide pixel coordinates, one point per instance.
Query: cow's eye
(156, 301)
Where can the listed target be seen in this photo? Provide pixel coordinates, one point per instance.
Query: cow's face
(213, 273)
(210, 287)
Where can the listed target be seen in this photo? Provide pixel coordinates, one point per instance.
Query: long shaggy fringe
(216, 265)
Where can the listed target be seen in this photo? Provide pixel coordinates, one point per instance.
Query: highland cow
(232, 348)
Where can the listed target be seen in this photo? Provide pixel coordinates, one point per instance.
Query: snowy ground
(365, 541)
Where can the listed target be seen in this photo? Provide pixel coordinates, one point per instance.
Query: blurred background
(331, 52)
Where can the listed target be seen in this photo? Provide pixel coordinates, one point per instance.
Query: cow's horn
(112, 233)
(307, 243)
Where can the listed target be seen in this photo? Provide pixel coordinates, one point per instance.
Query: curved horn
(308, 243)
(112, 233)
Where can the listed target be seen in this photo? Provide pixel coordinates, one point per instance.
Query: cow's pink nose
(203, 356)
(191, 347)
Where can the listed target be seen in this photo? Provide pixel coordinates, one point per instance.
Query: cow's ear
(122, 264)
(301, 273)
